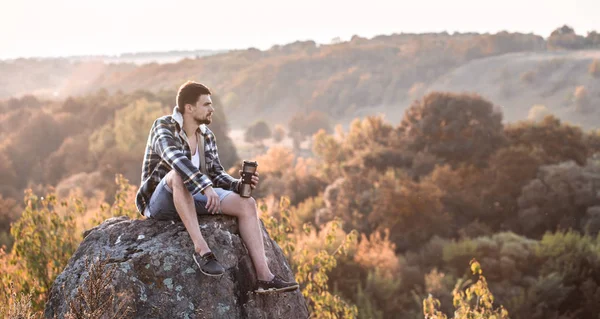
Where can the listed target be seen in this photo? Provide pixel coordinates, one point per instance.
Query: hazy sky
(76, 27)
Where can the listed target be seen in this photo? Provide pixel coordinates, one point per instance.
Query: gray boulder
(153, 273)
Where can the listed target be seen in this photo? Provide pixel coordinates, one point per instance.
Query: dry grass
(96, 298)
(19, 306)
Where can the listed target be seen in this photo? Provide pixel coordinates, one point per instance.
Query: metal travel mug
(248, 170)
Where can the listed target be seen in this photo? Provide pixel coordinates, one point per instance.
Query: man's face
(203, 110)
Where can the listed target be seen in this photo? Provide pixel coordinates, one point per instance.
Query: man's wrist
(203, 191)
(239, 184)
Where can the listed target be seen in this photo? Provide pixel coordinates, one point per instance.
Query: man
(181, 180)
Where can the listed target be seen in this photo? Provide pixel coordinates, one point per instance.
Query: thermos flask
(248, 170)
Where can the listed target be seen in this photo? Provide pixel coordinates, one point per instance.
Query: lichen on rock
(155, 269)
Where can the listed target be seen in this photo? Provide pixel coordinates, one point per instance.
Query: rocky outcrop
(153, 271)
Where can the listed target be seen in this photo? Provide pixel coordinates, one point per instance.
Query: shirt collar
(178, 117)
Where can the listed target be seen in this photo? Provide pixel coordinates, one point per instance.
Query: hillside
(360, 77)
(61, 77)
(561, 81)
(342, 79)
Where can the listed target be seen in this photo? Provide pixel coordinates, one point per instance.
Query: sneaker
(208, 264)
(277, 284)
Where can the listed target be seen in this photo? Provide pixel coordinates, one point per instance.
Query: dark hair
(189, 93)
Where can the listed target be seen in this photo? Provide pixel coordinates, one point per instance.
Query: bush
(476, 301)
(45, 237)
(312, 265)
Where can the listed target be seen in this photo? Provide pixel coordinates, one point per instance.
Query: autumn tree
(561, 197)
(32, 143)
(592, 141)
(557, 141)
(565, 38)
(500, 185)
(9, 212)
(592, 39)
(458, 128)
(302, 125)
(257, 132)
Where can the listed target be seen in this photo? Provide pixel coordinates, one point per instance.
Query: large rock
(155, 269)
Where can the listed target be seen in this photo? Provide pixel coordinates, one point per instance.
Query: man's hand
(213, 203)
(255, 180)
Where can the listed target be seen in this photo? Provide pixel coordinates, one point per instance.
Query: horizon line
(223, 50)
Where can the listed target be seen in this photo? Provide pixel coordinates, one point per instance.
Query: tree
(128, 121)
(592, 39)
(565, 38)
(564, 30)
(9, 212)
(501, 183)
(458, 128)
(559, 198)
(557, 141)
(257, 132)
(413, 211)
(32, 144)
(302, 126)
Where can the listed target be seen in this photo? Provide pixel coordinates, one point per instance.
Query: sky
(42, 28)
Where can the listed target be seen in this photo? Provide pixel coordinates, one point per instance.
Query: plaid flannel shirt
(168, 148)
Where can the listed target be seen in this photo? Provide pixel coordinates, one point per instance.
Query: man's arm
(165, 145)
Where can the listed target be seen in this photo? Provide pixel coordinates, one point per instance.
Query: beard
(203, 120)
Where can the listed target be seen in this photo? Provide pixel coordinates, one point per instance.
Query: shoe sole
(271, 290)
(202, 271)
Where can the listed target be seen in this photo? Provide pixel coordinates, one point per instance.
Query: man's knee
(174, 180)
(249, 206)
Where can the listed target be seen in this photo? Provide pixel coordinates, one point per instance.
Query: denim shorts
(161, 205)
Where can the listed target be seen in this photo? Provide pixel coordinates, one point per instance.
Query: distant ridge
(139, 58)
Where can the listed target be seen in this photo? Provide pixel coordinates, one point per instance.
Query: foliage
(475, 302)
(458, 128)
(565, 38)
(301, 125)
(45, 238)
(46, 235)
(257, 132)
(311, 267)
(17, 306)
(285, 174)
(557, 140)
(9, 211)
(128, 121)
(559, 198)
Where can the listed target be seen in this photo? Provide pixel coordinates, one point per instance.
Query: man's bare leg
(185, 206)
(246, 212)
